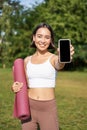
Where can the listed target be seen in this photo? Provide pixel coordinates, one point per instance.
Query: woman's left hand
(71, 50)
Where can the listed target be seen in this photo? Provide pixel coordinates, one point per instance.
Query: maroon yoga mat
(21, 104)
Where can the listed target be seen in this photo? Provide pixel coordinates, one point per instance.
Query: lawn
(71, 96)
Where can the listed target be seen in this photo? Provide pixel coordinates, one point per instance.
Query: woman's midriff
(41, 93)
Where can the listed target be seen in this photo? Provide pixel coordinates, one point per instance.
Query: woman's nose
(42, 39)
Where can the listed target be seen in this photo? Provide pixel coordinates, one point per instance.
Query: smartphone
(64, 50)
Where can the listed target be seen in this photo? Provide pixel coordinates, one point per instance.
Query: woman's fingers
(71, 51)
(16, 87)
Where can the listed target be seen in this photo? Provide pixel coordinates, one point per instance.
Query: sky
(28, 3)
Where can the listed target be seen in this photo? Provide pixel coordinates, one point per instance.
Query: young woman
(41, 69)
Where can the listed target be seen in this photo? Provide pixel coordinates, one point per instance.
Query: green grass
(71, 95)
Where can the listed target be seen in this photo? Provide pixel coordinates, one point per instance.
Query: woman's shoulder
(53, 59)
(26, 59)
(54, 56)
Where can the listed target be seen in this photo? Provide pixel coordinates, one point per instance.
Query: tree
(67, 18)
(14, 33)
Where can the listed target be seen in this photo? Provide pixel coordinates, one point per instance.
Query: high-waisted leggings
(43, 113)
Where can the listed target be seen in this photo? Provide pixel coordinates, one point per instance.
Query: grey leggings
(43, 113)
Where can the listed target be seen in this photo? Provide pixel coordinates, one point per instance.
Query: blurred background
(68, 19)
(18, 19)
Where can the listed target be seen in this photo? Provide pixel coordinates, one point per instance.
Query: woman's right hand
(16, 87)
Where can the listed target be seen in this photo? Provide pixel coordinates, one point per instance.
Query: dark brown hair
(51, 46)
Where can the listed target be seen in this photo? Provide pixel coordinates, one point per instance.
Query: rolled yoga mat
(21, 103)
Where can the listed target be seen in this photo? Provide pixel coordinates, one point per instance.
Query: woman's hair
(44, 25)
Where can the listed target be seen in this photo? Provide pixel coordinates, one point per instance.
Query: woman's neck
(42, 53)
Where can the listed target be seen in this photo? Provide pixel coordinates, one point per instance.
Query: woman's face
(42, 39)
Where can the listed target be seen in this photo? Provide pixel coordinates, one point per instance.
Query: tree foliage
(67, 18)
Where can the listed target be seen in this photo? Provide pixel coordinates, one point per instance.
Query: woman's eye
(39, 36)
(47, 37)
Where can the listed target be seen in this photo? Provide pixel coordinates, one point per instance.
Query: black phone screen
(64, 46)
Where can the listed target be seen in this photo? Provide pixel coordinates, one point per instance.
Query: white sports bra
(41, 75)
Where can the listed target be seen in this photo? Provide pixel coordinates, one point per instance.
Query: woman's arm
(57, 64)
